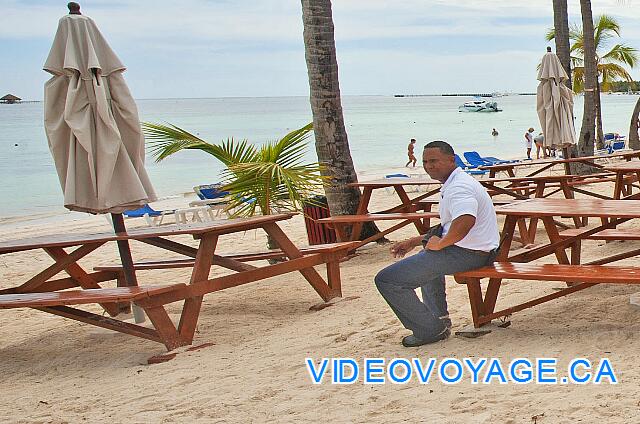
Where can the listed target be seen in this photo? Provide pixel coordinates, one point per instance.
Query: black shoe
(413, 341)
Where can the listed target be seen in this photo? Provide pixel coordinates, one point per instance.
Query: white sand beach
(57, 371)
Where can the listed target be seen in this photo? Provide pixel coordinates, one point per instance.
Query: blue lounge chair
(496, 161)
(152, 216)
(391, 190)
(616, 145)
(475, 159)
(210, 191)
(468, 169)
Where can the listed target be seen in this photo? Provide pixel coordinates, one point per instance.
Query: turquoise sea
(379, 129)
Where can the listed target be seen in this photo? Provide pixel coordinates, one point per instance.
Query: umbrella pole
(127, 262)
(566, 155)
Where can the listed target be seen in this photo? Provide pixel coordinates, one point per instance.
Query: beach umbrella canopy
(92, 124)
(555, 103)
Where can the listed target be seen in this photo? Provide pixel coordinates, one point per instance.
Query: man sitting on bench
(467, 238)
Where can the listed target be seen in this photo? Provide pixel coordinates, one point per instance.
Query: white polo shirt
(461, 195)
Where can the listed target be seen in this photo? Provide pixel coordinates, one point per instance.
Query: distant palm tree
(561, 27)
(587, 131)
(610, 65)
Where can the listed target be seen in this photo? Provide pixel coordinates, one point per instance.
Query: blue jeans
(426, 269)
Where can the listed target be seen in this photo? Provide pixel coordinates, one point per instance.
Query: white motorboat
(479, 106)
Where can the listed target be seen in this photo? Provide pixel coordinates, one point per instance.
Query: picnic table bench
(42, 291)
(518, 265)
(341, 223)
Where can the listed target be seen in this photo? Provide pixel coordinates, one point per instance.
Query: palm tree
(561, 28)
(587, 131)
(332, 144)
(265, 179)
(610, 65)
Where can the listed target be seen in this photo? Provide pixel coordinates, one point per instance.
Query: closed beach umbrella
(92, 124)
(555, 103)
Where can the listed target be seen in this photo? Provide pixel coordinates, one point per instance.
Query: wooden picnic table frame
(626, 173)
(200, 284)
(613, 212)
(407, 204)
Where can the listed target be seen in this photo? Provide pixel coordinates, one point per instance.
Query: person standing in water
(412, 156)
(528, 136)
(494, 132)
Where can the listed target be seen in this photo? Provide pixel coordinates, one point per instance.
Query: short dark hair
(443, 146)
(413, 139)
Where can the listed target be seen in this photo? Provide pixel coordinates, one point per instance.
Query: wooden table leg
(363, 208)
(201, 269)
(491, 294)
(292, 252)
(408, 205)
(617, 190)
(568, 194)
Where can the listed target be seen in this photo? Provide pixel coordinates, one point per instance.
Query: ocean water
(378, 127)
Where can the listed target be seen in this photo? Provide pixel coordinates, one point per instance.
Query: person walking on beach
(467, 238)
(529, 141)
(539, 141)
(412, 156)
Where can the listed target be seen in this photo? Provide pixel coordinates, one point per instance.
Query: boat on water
(479, 106)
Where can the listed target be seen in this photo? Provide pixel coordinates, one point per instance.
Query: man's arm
(398, 250)
(458, 230)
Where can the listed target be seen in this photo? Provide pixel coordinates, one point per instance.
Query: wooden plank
(68, 282)
(557, 272)
(378, 217)
(292, 252)
(201, 269)
(76, 272)
(36, 281)
(572, 207)
(242, 257)
(233, 280)
(79, 297)
(103, 322)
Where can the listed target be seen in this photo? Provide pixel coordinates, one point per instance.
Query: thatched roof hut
(10, 98)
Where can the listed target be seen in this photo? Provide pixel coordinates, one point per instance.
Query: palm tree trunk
(634, 138)
(332, 145)
(561, 26)
(587, 131)
(599, 130)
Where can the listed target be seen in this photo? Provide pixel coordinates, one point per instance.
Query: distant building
(10, 98)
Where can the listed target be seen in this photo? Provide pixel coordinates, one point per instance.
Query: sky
(234, 48)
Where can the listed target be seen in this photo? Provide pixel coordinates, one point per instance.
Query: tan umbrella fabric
(555, 103)
(92, 124)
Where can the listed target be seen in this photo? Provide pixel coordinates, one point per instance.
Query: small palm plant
(264, 179)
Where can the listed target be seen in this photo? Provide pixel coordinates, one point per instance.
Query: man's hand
(434, 243)
(400, 249)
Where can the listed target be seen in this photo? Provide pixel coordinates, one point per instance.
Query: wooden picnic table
(509, 168)
(42, 291)
(519, 264)
(409, 211)
(625, 172)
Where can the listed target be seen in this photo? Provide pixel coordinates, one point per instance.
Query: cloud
(256, 47)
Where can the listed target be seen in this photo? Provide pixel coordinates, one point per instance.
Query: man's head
(531, 130)
(438, 160)
(413, 141)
